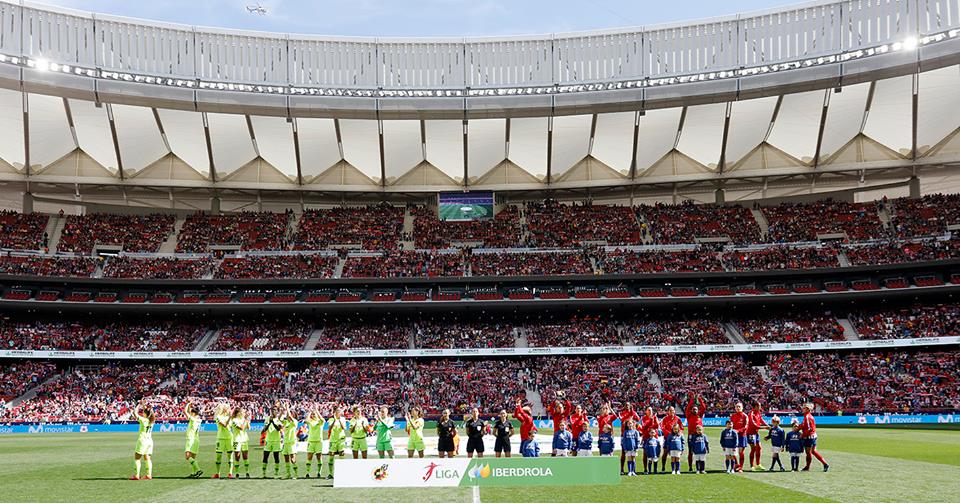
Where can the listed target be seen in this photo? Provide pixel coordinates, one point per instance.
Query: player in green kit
(224, 438)
(290, 424)
(314, 440)
(240, 427)
(273, 426)
(337, 434)
(384, 436)
(415, 431)
(193, 439)
(359, 427)
(144, 449)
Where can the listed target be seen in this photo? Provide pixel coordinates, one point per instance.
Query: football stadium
(716, 259)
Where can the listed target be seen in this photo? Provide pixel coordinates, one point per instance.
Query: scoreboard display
(462, 206)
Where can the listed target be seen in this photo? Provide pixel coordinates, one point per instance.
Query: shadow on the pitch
(127, 479)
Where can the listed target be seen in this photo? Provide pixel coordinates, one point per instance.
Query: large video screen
(460, 206)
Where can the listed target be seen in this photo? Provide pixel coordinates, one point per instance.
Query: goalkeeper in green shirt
(314, 440)
(384, 436)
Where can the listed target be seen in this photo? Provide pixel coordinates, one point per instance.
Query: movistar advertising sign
(502, 472)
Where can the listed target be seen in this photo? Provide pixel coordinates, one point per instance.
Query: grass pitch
(866, 465)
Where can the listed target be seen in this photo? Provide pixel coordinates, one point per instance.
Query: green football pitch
(465, 211)
(866, 465)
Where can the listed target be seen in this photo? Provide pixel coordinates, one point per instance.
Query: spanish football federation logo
(480, 472)
(380, 473)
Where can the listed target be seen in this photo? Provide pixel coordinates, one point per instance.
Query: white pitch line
(476, 494)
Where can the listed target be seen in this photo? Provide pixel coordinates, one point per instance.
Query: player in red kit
(808, 432)
(559, 411)
(606, 417)
(740, 420)
(755, 423)
(696, 408)
(666, 429)
(649, 422)
(578, 423)
(626, 414)
(527, 429)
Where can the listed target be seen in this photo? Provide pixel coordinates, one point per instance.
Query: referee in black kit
(503, 430)
(475, 428)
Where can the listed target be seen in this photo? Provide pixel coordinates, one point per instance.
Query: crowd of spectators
(460, 385)
(444, 334)
(157, 268)
(501, 231)
(928, 216)
(263, 336)
(684, 223)
(377, 227)
(895, 252)
(158, 336)
(47, 265)
(403, 264)
(248, 230)
(798, 327)
(557, 225)
(19, 377)
(297, 266)
(793, 222)
(780, 257)
(47, 336)
(132, 233)
(721, 380)
(672, 333)
(587, 330)
(23, 231)
(871, 382)
(529, 263)
(593, 381)
(346, 334)
(936, 320)
(623, 261)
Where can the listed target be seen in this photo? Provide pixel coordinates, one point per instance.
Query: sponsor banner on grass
(485, 472)
(432, 353)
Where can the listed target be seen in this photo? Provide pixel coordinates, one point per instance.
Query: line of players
(654, 437)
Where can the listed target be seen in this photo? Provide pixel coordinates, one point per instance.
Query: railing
(196, 55)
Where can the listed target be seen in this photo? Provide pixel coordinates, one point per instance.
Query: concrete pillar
(27, 206)
(719, 196)
(215, 205)
(914, 187)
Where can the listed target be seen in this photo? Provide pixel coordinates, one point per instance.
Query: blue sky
(419, 17)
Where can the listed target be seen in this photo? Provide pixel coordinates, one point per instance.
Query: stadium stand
(369, 228)
(132, 233)
(686, 222)
(245, 231)
(22, 231)
(298, 266)
(157, 268)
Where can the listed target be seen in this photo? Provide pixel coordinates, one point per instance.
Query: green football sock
(194, 466)
(246, 466)
(219, 461)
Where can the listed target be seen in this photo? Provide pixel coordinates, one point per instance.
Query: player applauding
(193, 438)
(144, 450)
(415, 432)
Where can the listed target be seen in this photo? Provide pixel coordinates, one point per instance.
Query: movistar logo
(479, 472)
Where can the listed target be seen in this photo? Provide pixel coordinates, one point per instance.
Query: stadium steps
(338, 271)
(524, 230)
(169, 245)
(761, 222)
(654, 379)
(842, 258)
(208, 339)
(849, 331)
(885, 216)
(733, 333)
(520, 338)
(642, 222)
(408, 231)
(314, 338)
(536, 402)
(32, 392)
(292, 227)
(54, 230)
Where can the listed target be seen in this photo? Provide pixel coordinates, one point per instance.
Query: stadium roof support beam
(683, 119)
(206, 136)
(296, 152)
(773, 118)
(869, 104)
(383, 160)
(549, 178)
(593, 133)
(163, 132)
(70, 123)
(116, 142)
(913, 115)
(25, 104)
(253, 135)
(823, 124)
(466, 149)
(723, 140)
(636, 141)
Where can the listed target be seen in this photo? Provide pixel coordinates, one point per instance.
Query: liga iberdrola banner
(482, 472)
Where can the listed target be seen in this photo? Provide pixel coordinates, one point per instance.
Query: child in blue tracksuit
(605, 442)
(777, 437)
(794, 446)
(585, 443)
(674, 445)
(729, 440)
(651, 447)
(630, 444)
(699, 447)
(562, 441)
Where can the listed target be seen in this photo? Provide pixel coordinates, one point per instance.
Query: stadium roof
(98, 102)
